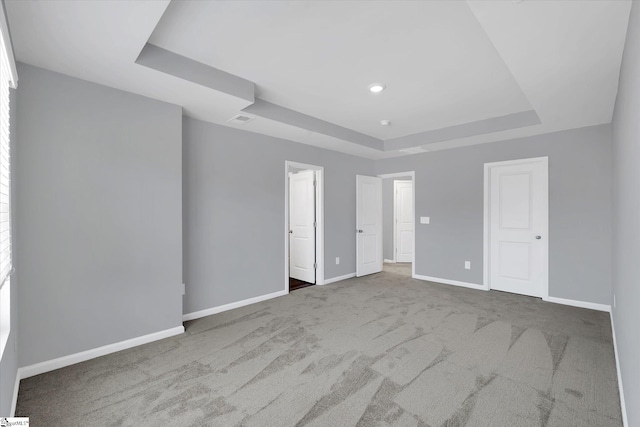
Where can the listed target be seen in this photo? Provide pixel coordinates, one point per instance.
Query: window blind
(5, 165)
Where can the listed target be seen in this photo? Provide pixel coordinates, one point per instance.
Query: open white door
(518, 226)
(368, 225)
(403, 203)
(302, 233)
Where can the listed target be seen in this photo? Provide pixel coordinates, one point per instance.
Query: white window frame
(8, 79)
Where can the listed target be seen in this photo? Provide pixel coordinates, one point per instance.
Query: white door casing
(368, 225)
(302, 244)
(518, 226)
(403, 221)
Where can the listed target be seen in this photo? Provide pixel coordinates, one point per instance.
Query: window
(7, 80)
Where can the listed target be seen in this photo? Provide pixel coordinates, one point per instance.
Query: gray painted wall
(449, 189)
(99, 241)
(9, 362)
(234, 212)
(626, 218)
(387, 215)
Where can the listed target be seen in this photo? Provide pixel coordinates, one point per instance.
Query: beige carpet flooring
(382, 350)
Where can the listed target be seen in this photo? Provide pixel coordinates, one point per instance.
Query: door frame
(319, 174)
(395, 213)
(486, 285)
(411, 174)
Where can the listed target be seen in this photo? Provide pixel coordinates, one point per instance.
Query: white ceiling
(318, 58)
(445, 63)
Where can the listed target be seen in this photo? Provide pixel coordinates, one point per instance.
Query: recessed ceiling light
(377, 87)
(240, 119)
(385, 122)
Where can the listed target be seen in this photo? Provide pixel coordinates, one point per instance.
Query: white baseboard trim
(623, 406)
(14, 400)
(339, 278)
(231, 306)
(390, 261)
(449, 282)
(72, 359)
(581, 304)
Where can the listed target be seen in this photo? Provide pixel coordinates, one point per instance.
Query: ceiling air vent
(240, 119)
(414, 150)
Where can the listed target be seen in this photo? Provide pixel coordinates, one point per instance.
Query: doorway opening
(304, 226)
(398, 200)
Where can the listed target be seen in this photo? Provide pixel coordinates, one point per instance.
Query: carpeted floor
(383, 350)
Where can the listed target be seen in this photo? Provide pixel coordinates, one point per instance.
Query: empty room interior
(320, 213)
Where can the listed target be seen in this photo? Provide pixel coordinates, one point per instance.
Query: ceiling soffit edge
(179, 66)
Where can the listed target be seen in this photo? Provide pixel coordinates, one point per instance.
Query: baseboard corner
(339, 278)
(580, 304)
(623, 406)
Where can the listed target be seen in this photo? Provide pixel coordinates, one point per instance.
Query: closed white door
(368, 225)
(403, 220)
(302, 233)
(518, 226)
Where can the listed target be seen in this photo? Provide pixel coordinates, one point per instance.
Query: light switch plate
(424, 220)
(467, 265)
(337, 260)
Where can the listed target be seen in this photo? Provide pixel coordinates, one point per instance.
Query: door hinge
(315, 266)
(315, 224)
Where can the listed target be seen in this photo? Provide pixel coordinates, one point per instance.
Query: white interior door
(518, 227)
(403, 204)
(302, 233)
(368, 225)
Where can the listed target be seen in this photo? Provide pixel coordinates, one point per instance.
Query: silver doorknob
(360, 231)
(538, 237)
